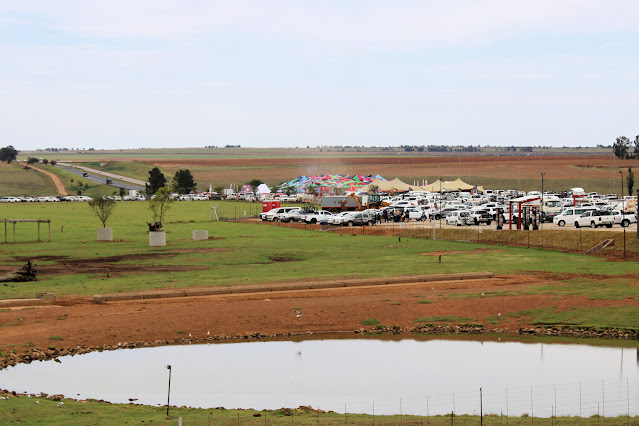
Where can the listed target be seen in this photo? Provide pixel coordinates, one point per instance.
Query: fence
(575, 240)
(611, 402)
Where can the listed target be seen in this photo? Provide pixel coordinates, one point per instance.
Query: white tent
(263, 189)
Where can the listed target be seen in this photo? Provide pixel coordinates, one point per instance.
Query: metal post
(481, 407)
(38, 230)
(168, 398)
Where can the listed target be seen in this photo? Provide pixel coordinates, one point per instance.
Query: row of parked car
(312, 216)
(44, 199)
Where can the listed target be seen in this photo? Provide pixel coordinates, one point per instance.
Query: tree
(53, 162)
(32, 160)
(630, 180)
(254, 183)
(156, 181)
(372, 189)
(8, 154)
(45, 161)
(160, 204)
(102, 208)
(620, 147)
(183, 182)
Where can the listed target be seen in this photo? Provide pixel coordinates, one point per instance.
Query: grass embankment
(17, 182)
(253, 254)
(132, 169)
(23, 410)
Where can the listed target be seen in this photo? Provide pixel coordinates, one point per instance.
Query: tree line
(182, 182)
(624, 149)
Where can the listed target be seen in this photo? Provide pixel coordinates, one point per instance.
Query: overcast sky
(169, 73)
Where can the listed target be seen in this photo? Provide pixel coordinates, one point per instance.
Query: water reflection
(414, 377)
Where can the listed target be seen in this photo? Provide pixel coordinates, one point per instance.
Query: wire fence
(617, 242)
(612, 402)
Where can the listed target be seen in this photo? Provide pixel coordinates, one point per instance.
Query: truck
(595, 218)
(352, 202)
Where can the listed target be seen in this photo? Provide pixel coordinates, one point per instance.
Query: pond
(422, 377)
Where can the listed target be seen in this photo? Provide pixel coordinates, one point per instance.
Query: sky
(119, 74)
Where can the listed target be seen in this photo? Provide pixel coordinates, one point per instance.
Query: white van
(570, 214)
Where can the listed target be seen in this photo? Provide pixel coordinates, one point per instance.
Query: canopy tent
(263, 189)
(324, 184)
(451, 186)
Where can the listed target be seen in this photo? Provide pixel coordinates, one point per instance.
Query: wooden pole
(49, 222)
(14, 232)
(38, 230)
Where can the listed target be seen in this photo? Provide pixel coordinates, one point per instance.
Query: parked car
(459, 217)
(481, 216)
(270, 215)
(9, 200)
(320, 216)
(360, 218)
(623, 219)
(339, 218)
(595, 218)
(569, 215)
(289, 215)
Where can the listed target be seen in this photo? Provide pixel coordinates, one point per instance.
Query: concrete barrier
(310, 285)
(105, 234)
(41, 299)
(157, 239)
(200, 235)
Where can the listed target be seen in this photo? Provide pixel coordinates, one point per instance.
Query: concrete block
(200, 235)
(157, 239)
(105, 234)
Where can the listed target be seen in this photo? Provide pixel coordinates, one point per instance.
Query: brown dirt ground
(81, 322)
(284, 169)
(57, 182)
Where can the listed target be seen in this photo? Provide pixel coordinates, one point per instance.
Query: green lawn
(23, 410)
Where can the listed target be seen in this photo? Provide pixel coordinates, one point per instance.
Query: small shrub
(180, 332)
(56, 338)
(369, 321)
(61, 318)
(427, 302)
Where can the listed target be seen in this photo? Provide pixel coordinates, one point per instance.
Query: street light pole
(622, 213)
(168, 398)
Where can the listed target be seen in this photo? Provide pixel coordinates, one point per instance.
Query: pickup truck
(623, 219)
(595, 218)
(481, 216)
(320, 216)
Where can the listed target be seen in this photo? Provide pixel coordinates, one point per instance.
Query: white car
(570, 215)
(595, 218)
(320, 216)
(9, 200)
(459, 218)
(623, 219)
(339, 218)
(288, 214)
(83, 198)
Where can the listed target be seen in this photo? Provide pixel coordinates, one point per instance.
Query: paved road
(100, 177)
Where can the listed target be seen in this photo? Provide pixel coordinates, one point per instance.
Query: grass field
(23, 410)
(17, 182)
(248, 253)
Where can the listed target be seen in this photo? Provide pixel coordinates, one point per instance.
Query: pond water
(423, 377)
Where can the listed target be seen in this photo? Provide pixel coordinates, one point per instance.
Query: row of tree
(624, 149)
(182, 181)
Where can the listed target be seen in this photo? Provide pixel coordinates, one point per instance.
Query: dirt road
(59, 186)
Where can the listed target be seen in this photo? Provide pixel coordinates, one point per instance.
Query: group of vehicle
(467, 209)
(44, 199)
